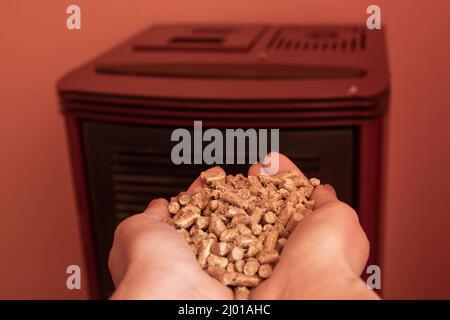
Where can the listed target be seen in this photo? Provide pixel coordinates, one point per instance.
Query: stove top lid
(239, 62)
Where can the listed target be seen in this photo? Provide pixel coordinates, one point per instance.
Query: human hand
(150, 260)
(322, 259)
(324, 256)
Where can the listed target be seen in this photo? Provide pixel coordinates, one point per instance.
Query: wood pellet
(237, 226)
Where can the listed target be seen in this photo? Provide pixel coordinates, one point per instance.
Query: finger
(284, 164)
(255, 169)
(199, 182)
(158, 209)
(267, 165)
(323, 195)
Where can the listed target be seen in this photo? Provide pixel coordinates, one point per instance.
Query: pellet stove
(325, 87)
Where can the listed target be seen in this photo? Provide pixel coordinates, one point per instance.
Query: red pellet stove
(325, 87)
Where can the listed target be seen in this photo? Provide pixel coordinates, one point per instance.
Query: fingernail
(329, 188)
(152, 203)
(266, 160)
(270, 164)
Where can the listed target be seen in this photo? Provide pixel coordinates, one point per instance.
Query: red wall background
(39, 235)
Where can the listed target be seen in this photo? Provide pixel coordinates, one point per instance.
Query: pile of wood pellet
(237, 226)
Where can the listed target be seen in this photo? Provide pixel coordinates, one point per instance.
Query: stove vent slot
(315, 39)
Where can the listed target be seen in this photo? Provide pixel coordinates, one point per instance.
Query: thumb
(157, 209)
(323, 195)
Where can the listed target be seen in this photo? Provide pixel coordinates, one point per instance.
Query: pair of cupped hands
(323, 258)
